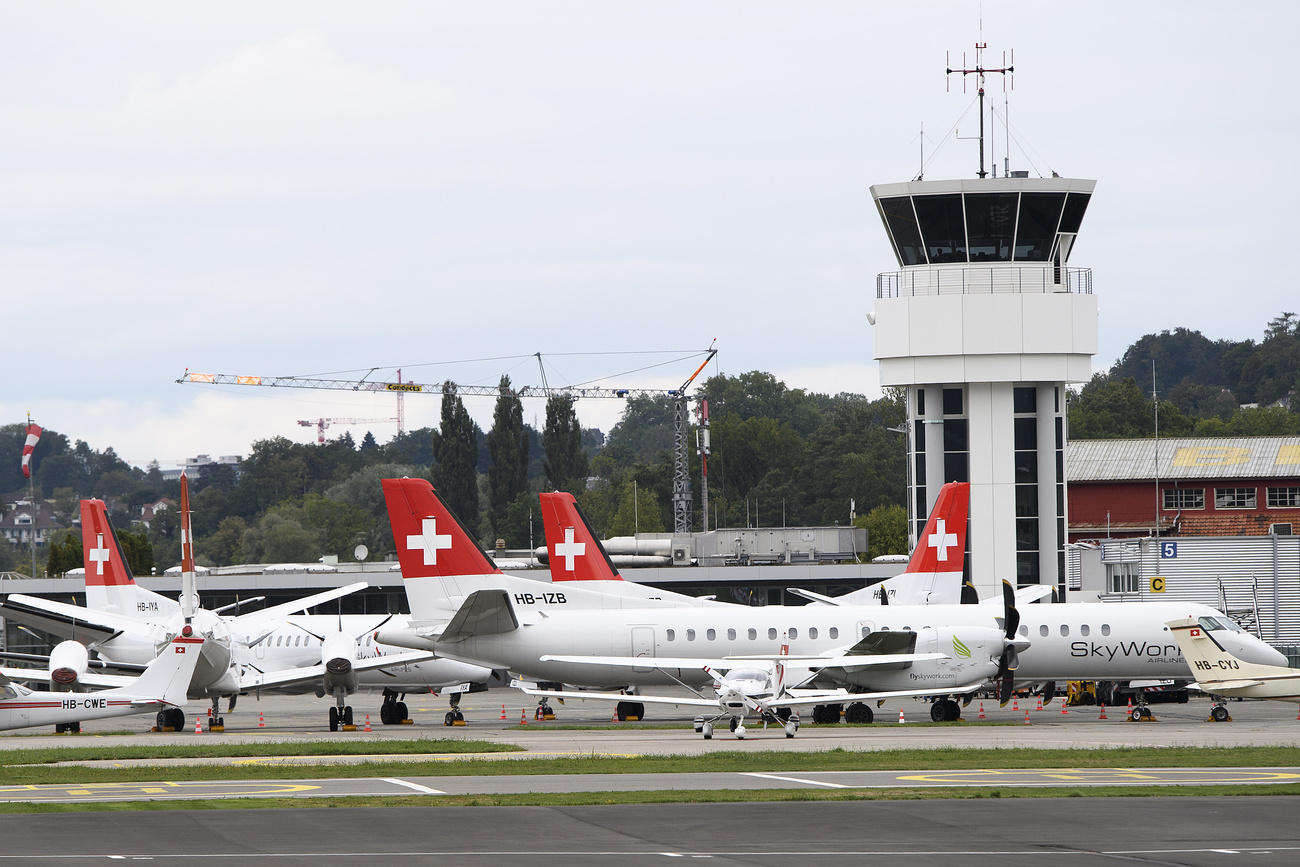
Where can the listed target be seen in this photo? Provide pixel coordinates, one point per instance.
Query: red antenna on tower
(979, 70)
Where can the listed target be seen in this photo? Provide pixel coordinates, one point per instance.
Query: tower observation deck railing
(983, 280)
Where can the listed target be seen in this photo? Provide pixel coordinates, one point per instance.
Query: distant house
(1194, 486)
(24, 518)
(149, 510)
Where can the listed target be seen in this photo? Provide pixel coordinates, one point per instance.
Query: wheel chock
(351, 727)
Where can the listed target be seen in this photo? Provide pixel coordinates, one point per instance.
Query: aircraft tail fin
(168, 677)
(572, 549)
(110, 586)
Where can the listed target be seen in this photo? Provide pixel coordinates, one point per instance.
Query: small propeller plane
(163, 684)
(751, 685)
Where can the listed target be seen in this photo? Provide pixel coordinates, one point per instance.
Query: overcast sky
(298, 188)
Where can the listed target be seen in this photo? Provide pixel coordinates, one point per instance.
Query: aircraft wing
(392, 659)
(1216, 685)
(618, 696)
(251, 679)
(797, 700)
(251, 621)
(848, 661)
(42, 675)
(729, 662)
(66, 621)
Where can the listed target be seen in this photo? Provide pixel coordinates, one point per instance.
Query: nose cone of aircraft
(1251, 649)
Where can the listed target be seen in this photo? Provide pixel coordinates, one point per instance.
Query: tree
(137, 550)
(368, 444)
(455, 452)
(507, 445)
(886, 528)
(566, 462)
(638, 511)
(65, 553)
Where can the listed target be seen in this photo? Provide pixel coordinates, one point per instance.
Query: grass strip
(763, 760)
(683, 796)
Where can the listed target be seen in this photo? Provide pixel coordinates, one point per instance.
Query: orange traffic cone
(1015, 705)
(261, 720)
(901, 721)
(1129, 712)
(523, 717)
(1040, 702)
(1103, 711)
(198, 725)
(981, 716)
(1027, 722)
(367, 728)
(1297, 713)
(503, 712)
(1065, 707)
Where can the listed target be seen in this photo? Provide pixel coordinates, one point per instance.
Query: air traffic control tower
(984, 325)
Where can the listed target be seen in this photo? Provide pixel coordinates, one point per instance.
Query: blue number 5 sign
(1168, 550)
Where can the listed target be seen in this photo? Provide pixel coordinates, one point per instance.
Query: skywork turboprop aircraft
(1221, 673)
(757, 685)
(162, 684)
(463, 608)
(263, 650)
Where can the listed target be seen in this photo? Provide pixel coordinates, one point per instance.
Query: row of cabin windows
(1232, 498)
(292, 640)
(1084, 630)
(752, 634)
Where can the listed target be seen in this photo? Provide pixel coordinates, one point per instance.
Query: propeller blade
(969, 596)
(1009, 604)
(1004, 690)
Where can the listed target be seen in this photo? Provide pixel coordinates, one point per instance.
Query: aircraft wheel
(160, 719)
(734, 723)
(858, 713)
(1146, 712)
(699, 724)
(791, 728)
(707, 731)
(334, 719)
(178, 719)
(740, 732)
(953, 710)
(347, 715)
(1136, 714)
(386, 714)
(400, 712)
(449, 718)
(1219, 713)
(460, 717)
(939, 711)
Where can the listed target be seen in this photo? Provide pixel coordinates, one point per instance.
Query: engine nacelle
(68, 663)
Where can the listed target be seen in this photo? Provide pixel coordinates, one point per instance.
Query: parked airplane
(1220, 672)
(757, 685)
(162, 685)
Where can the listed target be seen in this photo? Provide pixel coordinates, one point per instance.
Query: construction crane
(321, 423)
(681, 489)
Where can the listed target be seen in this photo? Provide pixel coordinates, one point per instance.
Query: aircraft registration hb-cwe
(163, 684)
(463, 608)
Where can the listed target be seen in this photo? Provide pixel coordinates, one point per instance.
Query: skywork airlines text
(1124, 649)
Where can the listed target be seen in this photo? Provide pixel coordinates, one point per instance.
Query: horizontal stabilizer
(248, 622)
(484, 612)
(65, 621)
(618, 696)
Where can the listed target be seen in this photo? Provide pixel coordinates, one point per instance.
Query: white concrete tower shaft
(984, 325)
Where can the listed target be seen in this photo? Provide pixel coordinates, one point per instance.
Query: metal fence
(988, 280)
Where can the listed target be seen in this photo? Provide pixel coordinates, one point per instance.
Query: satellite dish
(361, 552)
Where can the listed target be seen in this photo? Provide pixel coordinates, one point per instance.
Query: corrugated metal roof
(1183, 458)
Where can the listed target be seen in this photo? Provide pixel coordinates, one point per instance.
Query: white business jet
(1220, 673)
(162, 685)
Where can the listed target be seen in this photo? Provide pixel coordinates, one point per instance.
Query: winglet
(572, 550)
(431, 542)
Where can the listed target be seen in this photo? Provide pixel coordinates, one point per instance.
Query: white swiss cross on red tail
(99, 554)
(942, 539)
(429, 541)
(568, 549)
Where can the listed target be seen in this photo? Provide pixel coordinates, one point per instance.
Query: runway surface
(1202, 833)
(991, 778)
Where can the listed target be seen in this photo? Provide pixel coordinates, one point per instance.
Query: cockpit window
(1209, 624)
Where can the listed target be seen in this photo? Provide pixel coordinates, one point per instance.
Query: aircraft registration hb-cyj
(1220, 672)
(274, 649)
(163, 684)
(464, 608)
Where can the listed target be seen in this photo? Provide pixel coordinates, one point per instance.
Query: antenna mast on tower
(979, 70)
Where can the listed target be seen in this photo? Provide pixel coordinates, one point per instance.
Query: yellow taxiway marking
(119, 790)
(1102, 776)
(417, 757)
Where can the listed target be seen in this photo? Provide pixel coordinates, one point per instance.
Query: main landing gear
(170, 719)
(454, 717)
(216, 723)
(340, 714)
(70, 728)
(630, 711)
(393, 711)
(945, 710)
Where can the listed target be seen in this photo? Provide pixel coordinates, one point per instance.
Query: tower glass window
(943, 228)
(902, 228)
(1040, 214)
(991, 225)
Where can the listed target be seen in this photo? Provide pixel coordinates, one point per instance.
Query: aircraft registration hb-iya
(464, 608)
(269, 649)
(162, 684)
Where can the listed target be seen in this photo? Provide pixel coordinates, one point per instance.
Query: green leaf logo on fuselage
(960, 649)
